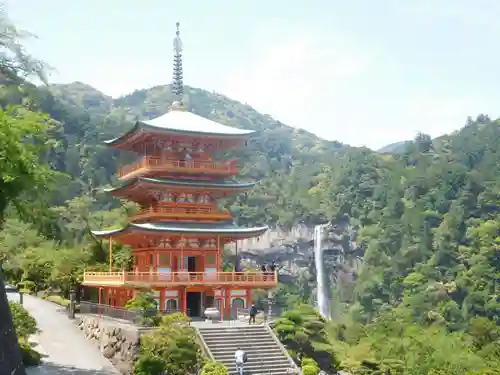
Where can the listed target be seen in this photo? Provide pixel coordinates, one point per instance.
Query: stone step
(254, 359)
(277, 355)
(257, 364)
(244, 345)
(253, 366)
(250, 351)
(261, 371)
(239, 342)
(239, 338)
(249, 329)
(236, 333)
(265, 356)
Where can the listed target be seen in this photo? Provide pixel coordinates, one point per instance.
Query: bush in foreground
(214, 368)
(30, 356)
(25, 326)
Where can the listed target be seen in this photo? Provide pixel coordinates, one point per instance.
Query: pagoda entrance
(193, 304)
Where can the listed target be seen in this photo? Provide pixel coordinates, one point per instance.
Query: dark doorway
(191, 264)
(193, 302)
(209, 301)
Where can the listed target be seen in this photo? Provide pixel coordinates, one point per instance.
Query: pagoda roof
(183, 122)
(219, 184)
(224, 228)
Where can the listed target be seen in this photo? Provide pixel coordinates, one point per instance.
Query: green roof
(187, 182)
(224, 228)
(184, 122)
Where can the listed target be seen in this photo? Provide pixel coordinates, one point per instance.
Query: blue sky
(364, 72)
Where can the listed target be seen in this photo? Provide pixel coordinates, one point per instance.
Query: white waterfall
(321, 288)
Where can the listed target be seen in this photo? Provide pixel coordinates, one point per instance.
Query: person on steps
(240, 359)
(252, 312)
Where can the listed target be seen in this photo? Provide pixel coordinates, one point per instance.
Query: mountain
(394, 148)
(285, 160)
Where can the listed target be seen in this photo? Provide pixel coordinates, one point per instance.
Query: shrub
(310, 370)
(24, 323)
(214, 368)
(29, 356)
(58, 300)
(174, 341)
(309, 361)
(149, 365)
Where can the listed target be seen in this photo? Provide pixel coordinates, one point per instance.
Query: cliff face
(293, 251)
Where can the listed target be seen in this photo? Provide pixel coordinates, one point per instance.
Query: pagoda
(178, 235)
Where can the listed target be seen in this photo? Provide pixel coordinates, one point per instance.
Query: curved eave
(184, 183)
(226, 230)
(152, 126)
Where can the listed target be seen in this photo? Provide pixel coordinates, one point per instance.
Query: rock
(117, 343)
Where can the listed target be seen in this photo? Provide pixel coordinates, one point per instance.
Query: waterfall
(322, 293)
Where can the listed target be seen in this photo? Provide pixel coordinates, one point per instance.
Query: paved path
(67, 352)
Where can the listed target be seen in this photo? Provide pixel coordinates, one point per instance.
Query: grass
(57, 300)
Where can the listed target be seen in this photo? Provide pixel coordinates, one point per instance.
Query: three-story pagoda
(178, 236)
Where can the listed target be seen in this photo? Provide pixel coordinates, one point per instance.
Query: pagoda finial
(177, 84)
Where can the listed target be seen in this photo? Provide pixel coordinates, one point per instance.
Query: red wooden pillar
(227, 302)
(162, 299)
(184, 300)
(248, 297)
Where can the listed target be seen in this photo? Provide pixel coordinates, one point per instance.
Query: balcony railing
(154, 163)
(159, 212)
(248, 279)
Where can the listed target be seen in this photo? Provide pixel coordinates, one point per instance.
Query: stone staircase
(265, 353)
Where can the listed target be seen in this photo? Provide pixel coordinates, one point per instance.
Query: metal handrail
(121, 313)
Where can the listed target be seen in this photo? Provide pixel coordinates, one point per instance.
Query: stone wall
(117, 342)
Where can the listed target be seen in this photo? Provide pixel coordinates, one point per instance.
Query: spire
(177, 84)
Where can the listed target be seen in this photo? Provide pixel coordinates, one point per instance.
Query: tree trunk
(10, 354)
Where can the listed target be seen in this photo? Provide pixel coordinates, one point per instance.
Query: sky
(363, 72)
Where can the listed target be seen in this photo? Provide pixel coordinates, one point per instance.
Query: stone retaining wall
(117, 342)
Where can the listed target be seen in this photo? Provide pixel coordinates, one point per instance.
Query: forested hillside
(427, 299)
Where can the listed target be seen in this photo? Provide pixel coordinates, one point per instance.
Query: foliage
(309, 366)
(24, 323)
(303, 333)
(24, 137)
(58, 300)
(174, 342)
(25, 326)
(29, 356)
(149, 365)
(214, 368)
(141, 301)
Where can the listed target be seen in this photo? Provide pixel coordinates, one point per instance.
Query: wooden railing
(186, 212)
(257, 279)
(158, 163)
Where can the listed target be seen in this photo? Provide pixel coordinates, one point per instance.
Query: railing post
(72, 304)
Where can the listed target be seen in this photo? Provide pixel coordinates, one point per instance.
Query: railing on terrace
(260, 279)
(155, 162)
(138, 317)
(182, 211)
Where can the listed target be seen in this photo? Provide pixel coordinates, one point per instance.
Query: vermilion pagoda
(178, 235)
